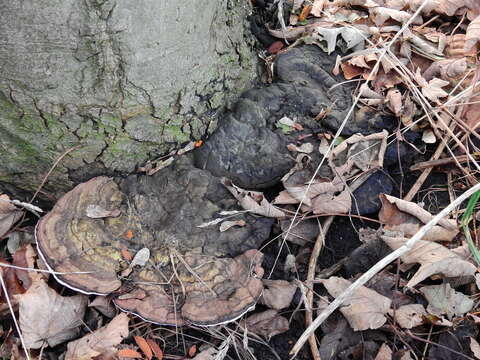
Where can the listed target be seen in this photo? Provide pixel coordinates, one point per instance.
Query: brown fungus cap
(189, 274)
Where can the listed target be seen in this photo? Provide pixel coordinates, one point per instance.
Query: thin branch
(53, 168)
(312, 264)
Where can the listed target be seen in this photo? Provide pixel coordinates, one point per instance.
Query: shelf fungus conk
(187, 274)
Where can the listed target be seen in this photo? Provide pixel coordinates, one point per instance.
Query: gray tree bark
(126, 80)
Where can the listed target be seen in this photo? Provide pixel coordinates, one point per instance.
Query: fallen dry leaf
(277, 294)
(365, 309)
(434, 259)
(385, 353)
(253, 201)
(447, 69)
(157, 351)
(331, 204)
(382, 14)
(350, 71)
(442, 299)
(306, 148)
(207, 354)
(266, 324)
(192, 350)
(475, 347)
(394, 98)
(9, 214)
(129, 353)
(428, 137)
(471, 112)
(102, 341)
(317, 7)
(47, 317)
(98, 212)
(104, 305)
(410, 316)
(144, 346)
(408, 217)
(473, 34)
(141, 257)
(433, 90)
(224, 226)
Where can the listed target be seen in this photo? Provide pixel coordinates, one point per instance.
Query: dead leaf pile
(355, 156)
(48, 318)
(438, 58)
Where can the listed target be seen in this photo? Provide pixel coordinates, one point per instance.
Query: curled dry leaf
(141, 257)
(48, 318)
(442, 299)
(129, 354)
(306, 148)
(434, 91)
(455, 47)
(385, 353)
(9, 214)
(382, 14)
(104, 305)
(144, 346)
(277, 294)
(253, 201)
(475, 347)
(408, 217)
(471, 113)
(98, 212)
(365, 309)
(224, 226)
(410, 316)
(434, 259)
(331, 204)
(428, 137)
(394, 98)
(472, 37)
(317, 8)
(266, 324)
(448, 69)
(102, 341)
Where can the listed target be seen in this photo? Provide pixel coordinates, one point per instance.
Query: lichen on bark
(127, 81)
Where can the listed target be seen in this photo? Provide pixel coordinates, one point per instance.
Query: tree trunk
(126, 80)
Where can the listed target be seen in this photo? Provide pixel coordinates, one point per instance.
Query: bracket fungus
(186, 275)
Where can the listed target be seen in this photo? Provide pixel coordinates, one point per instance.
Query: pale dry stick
(10, 307)
(312, 264)
(53, 168)
(334, 305)
(44, 271)
(425, 173)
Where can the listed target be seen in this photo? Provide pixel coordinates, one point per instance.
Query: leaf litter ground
(422, 306)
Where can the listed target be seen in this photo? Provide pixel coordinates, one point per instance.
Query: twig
(312, 264)
(10, 307)
(439, 345)
(52, 168)
(44, 271)
(421, 179)
(439, 162)
(378, 267)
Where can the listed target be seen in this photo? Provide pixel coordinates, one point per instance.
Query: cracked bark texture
(127, 81)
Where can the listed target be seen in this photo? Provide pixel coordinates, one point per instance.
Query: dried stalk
(312, 264)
